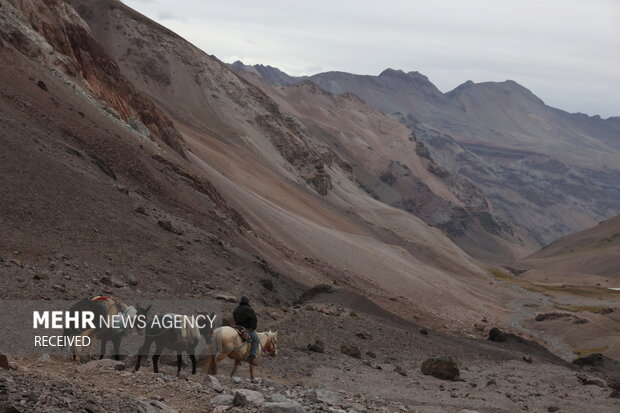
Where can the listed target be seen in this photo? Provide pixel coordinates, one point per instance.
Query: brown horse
(226, 342)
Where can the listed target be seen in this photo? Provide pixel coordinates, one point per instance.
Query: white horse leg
(252, 371)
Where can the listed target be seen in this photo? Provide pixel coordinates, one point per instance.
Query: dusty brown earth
(495, 376)
(134, 164)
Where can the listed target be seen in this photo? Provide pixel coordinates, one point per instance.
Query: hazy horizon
(560, 52)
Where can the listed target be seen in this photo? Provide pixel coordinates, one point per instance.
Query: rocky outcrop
(318, 347)
(507, 142)
(350, 350)
(59, 37)
(377, 150)
(443, 368)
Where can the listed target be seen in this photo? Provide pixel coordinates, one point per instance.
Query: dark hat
(244, 300)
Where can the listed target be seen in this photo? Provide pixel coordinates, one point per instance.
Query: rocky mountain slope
(308, 217)
(136, 165)
(594, 251)
(544, 170)
(268, 73)
(392, 166)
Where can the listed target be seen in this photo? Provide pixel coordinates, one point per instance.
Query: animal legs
(90, 333)
(158, 350)
(179, 362)
(104, 343)
(252, 371)
(234, 369)
(144, 351)
(116, 342)
(192, 357)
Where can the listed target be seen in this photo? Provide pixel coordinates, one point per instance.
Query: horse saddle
(110, 299)
(243, 332)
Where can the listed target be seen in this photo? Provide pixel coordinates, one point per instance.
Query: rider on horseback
(245, 316)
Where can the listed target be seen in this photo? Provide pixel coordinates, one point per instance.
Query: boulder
(386, 367)
(350, 350)
(214, 383)
(4, 362)
(132, 280)
(165, 224)
(317, 347)
(251, 396)
(497, 335)
(324, 396)
(282, 407)
(400, 370)
(239, 400)
(222, 399)
(443, 368)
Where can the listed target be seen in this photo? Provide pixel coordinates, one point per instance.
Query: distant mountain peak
(511, 87)
(268, 73)
(415, 75)
(389, 71)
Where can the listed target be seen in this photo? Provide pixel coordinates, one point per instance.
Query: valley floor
(496, 377)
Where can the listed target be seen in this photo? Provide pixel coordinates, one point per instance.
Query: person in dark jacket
(245, 316)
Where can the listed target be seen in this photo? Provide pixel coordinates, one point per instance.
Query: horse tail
(211, 365)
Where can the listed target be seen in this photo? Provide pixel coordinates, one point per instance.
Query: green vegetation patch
(581, 291)
(587, 351)
(581, 309)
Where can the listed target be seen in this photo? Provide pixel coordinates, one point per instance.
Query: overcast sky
(566, 52)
